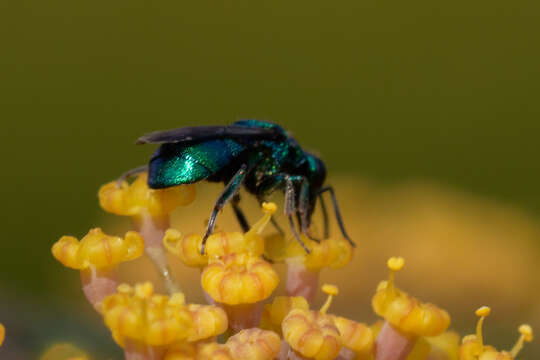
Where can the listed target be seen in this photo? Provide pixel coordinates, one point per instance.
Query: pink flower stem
(293, 355)
(283, 351)
(98, 284)
(302, 281)
(152, 229)
(244, 316)
(347, 354)
(392, 344)
(135, 350)
(208, 298)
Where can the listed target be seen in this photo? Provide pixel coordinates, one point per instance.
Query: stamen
(331, 291)
(269, 208)
(482, 312)
(394, 264)
(125, 289)
(526, 336)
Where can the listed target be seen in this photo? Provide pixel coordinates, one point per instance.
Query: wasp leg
(267, 259)
(338, 213)
(239, 213)
(303, 209)
(325, 217)
(130, 173)
(290, 209)
(276, 225)
(230, 190)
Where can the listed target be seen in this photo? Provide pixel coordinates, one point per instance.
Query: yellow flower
(420, 350)
(188, 248)
(445, 345)
(473, 348)
(239, 279)
(2, 334)
(213, 351)
(97, 249)
(404, 312)
(355, 336)
(332, 253)
(137, 313)
(137, 198)
(274, 313)
(63, 351)
(208, 321)
(181, 351)
(313, 334)
(254, 344)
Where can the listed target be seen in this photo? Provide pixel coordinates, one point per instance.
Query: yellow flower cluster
(139, 314)
(234, 272)
(219, 244)
(318, 335)
(404, 312)
(97, 249)
(473, 348)
(253, 344)
(329, 253)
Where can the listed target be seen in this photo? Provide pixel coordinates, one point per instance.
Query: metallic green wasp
(258, 155)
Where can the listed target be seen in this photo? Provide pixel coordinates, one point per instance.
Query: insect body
(259, 155)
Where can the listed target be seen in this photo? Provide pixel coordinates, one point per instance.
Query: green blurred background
(389, 92)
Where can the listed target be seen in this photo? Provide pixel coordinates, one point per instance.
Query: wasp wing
(202, 133)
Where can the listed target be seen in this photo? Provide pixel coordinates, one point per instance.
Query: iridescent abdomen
(176, 163)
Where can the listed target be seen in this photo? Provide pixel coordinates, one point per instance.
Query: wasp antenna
(130, 173)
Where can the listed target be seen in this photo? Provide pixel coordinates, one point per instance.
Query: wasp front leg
(288, 183)
(242, 220)
(304, 209)
(230, 191)
(290, 206)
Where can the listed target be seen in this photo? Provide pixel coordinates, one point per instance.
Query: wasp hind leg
(229, 192)
(276, 225)
(325, 217)
(337, 213)
(239, 213)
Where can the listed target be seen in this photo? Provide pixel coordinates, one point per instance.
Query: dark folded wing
(201, 133)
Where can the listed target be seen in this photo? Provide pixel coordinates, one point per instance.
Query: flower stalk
(153, 230)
